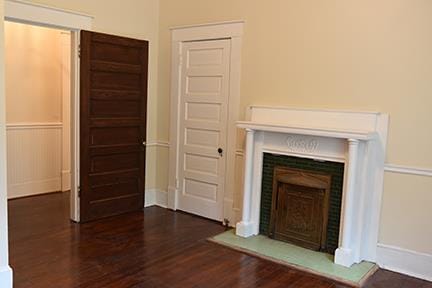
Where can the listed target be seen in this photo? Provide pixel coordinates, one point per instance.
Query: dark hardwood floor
(154, 248)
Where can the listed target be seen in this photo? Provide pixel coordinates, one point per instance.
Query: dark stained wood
(153, 248)
(113, 124)
(300, 203)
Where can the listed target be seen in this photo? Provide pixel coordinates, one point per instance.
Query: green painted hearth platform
(303, 259)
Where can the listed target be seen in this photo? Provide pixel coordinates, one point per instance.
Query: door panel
(115, 108)
(203, 125)
(114, 136)
(113, 124)
(115, 81)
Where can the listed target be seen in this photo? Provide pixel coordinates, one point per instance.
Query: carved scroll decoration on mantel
(301, 144)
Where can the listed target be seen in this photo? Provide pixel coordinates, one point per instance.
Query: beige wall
(33, 74)
(337, 54)
(130, 18)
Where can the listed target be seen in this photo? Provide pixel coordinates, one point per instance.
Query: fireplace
(354, 140)
(301, 201)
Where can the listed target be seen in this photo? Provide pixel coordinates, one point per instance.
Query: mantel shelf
(322, 132)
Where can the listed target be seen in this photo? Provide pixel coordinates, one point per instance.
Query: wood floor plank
(153, 248)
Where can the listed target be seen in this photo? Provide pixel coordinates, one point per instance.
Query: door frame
(42, 15)
(232, 30)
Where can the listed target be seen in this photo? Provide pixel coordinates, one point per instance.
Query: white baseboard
(66, 180)
(405, 261)
(156, 197)
(34, 188)
(6, 277)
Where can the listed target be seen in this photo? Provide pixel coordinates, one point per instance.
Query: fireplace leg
(344, 255)
(245, 227)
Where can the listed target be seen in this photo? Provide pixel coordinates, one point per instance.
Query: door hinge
(177, 183)
(79, 50)
(79, 191)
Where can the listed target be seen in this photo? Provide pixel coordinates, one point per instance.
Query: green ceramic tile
(284, 252)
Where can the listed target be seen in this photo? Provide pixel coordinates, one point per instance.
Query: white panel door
(205, 68)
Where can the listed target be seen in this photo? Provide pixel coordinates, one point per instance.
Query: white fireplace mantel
(356, 138)
(299, 130)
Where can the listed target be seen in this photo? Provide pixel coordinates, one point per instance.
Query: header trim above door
(207, 31)
(22, 11)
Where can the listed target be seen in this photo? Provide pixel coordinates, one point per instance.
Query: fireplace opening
(301, 201)
(300, 207)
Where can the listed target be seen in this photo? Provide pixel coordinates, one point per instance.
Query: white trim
(33, 125)
(401, 169)
(75, 127)
(155, 197)
(27, 12)
(323, 132)
(164, 144)
(6, 277)
(232, 30)
(66, 89)
(208, 24)
(405, 261)
(304, 109)
(32, 188)
(207, 31)
(66, 180)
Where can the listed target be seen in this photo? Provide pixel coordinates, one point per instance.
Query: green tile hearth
(285, 253)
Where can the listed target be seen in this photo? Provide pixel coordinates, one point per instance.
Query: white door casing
(205, 67)
(42, 15)
(232, 32)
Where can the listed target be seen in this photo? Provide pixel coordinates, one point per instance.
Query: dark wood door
(113, 106)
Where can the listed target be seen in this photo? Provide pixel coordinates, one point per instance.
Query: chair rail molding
(388, 167)
(163, 144)
(402, 169)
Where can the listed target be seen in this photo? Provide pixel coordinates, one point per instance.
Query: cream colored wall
(337, 54)
(33, 74)
(130, 18)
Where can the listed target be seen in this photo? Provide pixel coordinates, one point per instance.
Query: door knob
(220, 151)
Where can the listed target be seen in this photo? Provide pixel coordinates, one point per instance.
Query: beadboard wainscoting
(34, 154)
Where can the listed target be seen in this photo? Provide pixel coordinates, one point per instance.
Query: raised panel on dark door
(113, 106)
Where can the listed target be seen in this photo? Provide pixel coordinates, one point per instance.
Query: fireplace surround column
(344, 255)
(244, 228)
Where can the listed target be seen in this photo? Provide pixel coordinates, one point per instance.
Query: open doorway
(38, 106)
